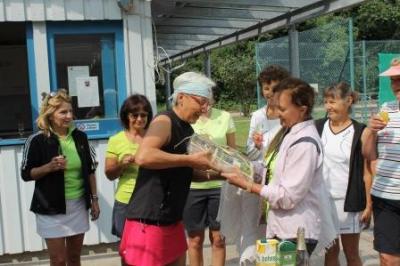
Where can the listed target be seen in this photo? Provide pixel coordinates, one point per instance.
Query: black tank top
(160, 195)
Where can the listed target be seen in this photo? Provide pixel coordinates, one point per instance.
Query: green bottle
(302, 258)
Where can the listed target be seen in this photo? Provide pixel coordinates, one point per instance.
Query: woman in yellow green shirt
(203, 201)
(135, 116)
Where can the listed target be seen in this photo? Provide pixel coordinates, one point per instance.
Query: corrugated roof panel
(221, 22)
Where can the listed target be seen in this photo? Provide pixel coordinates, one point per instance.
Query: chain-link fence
(327, 55)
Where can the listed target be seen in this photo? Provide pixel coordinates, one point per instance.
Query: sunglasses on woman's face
(203, 102)
(136, 115)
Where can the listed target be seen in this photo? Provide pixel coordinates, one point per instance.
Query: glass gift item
(225, 159)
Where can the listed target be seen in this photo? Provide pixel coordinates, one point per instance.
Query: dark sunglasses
(136, 115)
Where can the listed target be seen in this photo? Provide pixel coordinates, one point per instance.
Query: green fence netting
(328, 55)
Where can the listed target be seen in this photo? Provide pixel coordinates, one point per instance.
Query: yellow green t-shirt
(118, 146)
(216, 127)
(73, 181)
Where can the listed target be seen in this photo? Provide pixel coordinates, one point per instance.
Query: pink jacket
(297, 185)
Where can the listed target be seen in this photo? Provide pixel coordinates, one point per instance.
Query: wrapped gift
(267, 252)
(286, 253)
(271, 252)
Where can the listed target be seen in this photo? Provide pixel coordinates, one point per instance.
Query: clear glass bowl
(225, 159)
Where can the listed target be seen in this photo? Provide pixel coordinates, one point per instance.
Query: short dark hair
(342, 89)
(272, 73)
(302, 93)
(133, 104)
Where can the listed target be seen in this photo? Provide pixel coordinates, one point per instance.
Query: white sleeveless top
(336, 166)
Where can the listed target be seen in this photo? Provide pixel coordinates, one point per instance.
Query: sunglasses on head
(136, 115)
(48, 96)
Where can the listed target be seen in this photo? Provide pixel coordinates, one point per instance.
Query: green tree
(378, 20)
(234, 67)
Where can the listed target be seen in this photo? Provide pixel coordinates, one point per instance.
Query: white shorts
(349, 222)
(74, 222)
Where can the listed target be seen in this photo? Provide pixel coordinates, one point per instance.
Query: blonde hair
(50, 103)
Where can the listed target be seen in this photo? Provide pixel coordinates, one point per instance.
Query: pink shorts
(152, 245)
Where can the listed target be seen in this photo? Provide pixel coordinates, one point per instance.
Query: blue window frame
(16, 82)
(69, 43)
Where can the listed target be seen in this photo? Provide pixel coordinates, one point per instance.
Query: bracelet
(94, 197)
(208, 174)
(249, 186)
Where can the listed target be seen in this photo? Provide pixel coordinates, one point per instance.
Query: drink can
(267, 252)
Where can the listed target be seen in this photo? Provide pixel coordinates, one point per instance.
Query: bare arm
(369, 145)
(236, 179)
(92, 184)
(252, 146)
(56, 164)
(95, 209)
(366, 214)
(207, 175)
(369, 137)
(114, 169)
(368, 174)
(231, 140)
(151, 156)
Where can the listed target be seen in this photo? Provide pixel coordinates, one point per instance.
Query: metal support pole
(207, 64)
(351, 53)
(294, 51)
(366, 99)
(260, 100)
(168, 88)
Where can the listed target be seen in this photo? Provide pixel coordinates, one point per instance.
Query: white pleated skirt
(74, 222)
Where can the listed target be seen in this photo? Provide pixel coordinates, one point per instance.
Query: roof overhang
(183, 28)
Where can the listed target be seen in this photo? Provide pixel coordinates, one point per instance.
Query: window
(15, 107)
(80, 61)
(87, 59)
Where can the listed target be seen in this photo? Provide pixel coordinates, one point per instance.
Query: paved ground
(106, 255)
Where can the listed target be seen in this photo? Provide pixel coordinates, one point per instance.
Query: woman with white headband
(154, 233)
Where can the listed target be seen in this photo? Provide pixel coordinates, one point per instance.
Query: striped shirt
(387, 180)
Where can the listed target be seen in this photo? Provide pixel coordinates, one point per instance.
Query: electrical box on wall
(126, 5)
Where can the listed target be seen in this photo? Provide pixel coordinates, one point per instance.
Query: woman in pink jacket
(297, 188)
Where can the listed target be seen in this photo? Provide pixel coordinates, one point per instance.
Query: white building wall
(139, 59)
(41, 59)
(59, 10)
(17, 223)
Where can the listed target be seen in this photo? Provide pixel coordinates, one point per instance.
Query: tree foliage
(378, 20)
(233, 66)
